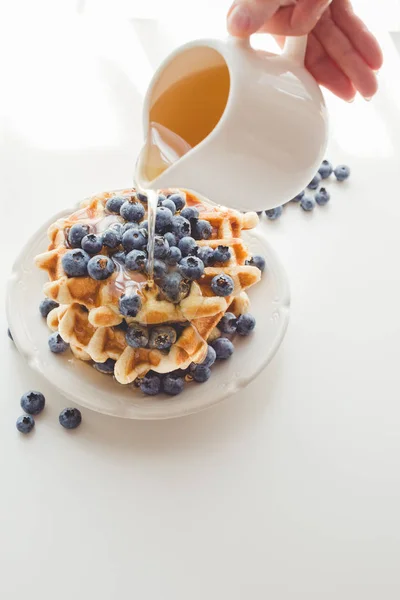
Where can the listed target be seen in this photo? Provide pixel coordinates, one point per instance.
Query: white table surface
(290, 489)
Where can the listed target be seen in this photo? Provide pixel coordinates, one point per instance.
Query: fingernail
(368, 99)
(351, 100)
(239, 20)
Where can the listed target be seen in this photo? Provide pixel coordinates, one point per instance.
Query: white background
(289, 490)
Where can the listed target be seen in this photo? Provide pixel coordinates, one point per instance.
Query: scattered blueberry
(173, 385)
(187, 245)
(111, 238)
(57, 344)
(114, 204)
(137, 336)
(25, 423)
(222, 254)
(222, 285)
(10, 335)
(223, 348)
(161, 198)
(178, 200)
(163, 219)
(144, 225)
(141, 197)
(201, 374)
(342, 172)
(130, 225)
(228, 323)
(134, 239)
(325, 169)
(74, 263)
(206, 254)
(70, 418)
(119, 257)
(174, 256)
(76, 234)
(167, 203)
(256, 261)
(307, 203)
(299, 196)
(175, 287)
(315, 181)
(191, 267)
(202, 230)
(46, 306)
(129, 305)
(180, 227)
(245, 324)
(274, 213)
(132, 211)
(162, 337)
(92, 243)
(210, 358)
(150, 384)
(322, 197)
(32, 402)
(106, 367)
(171, 239)
(159, 268)
(136, 260)
(161, 247)
(100, 267)
(189, 212)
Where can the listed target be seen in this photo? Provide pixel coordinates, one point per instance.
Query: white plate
(79, 382)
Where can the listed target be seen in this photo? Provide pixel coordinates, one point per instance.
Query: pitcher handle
(295, 48)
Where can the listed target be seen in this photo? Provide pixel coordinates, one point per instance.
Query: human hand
(341, 53)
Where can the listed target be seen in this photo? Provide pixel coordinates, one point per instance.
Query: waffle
(88, 317)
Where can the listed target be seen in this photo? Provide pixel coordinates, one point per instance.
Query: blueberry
(210, 357)
(114, 204)
(322, 197)
(206, 254)
(150, 384)
(256, 261)
(201, 374)
(130, 225)
(187, 245)
(162, 337)
(245, 324)
(129, 305)
(163, 219)
(25, 423)
(106, 367)
(132, 211)
(144, 225)
(307, 203)
(222, 254)
(76, 234)
(134, 239)
(175, 287)
(119, 257)
(180, 227)
(223, 348)
(174, 256)
(171, 239)
(315, 181)
(10, 335)
(178, 200)
(189, 212)
(228, 323)
(32, 402)
(111, 238)
(118, 227)
(136, 260)
(159, 268)
(137, 336)
(274, 213)
(167, 203)
(222, 285)
(202, 230)
(57, 344)
(92, 243)
(173, 385)
(141, 197)
(161, 198)
(325, 169)
(70, 418)
(342, 172)
(191, 267)
(299, 196)
(100, 267)
(161, 247)
(47, 306)
(74, 263)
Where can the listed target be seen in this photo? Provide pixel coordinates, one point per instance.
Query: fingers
(248, 16)
(342, 52)
(362, 39)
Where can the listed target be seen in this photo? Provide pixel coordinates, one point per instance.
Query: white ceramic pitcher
(272, 136)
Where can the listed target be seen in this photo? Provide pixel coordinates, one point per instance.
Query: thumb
(248, 16)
